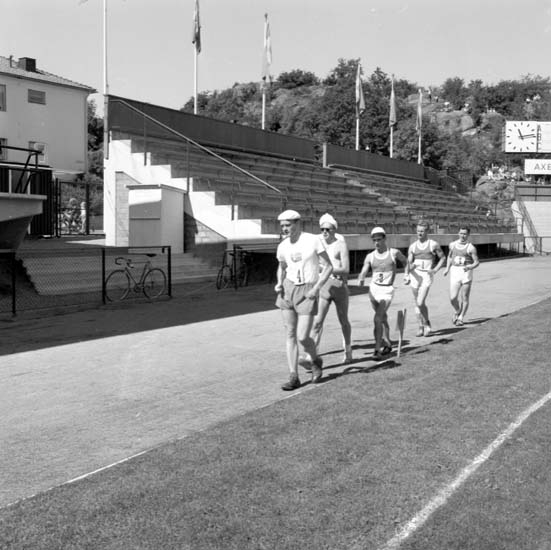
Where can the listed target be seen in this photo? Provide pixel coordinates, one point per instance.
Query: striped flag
(196, 39)
(360, 101)
(267, 54)
(392, 115)
(419, 121)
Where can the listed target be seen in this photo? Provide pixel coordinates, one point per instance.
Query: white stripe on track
(443, 496)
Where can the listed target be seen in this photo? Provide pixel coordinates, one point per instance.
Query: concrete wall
(61, 123)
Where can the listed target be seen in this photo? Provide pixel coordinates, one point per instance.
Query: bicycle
(227, 275)
(120, 282)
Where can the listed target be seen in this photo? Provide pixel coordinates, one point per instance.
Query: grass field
(342, 465)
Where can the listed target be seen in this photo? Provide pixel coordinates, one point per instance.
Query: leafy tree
(296, 79)
(454, 91)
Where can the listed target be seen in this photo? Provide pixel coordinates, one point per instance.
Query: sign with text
(537, 166)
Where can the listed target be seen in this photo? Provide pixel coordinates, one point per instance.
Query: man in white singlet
(462, 259)
(298, 284)
(420, 271)
(382, 263)
(336, 288)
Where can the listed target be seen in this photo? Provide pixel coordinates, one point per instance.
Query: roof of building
(12, 67)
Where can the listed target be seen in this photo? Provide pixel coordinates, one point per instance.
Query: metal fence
(45, 279)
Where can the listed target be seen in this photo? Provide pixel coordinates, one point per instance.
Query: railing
(27, 170)
(533, 192)
(218, 133)
(164, 132)
(526, 220)
(52, 277)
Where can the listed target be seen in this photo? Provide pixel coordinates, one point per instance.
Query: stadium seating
(358, 199)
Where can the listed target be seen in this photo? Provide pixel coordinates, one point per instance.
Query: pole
(391, 141)
(357, 133)
(195, 72)
(264, 107)
(419, 153)
(105, 87)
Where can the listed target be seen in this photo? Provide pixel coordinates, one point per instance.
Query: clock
(521, 136)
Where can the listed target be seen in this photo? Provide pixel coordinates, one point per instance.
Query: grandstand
(235, 179)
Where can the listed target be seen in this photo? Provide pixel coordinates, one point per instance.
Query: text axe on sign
(537, 166)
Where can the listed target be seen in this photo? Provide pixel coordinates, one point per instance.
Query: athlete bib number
(459, 260)
(382, 277)
(423, 265)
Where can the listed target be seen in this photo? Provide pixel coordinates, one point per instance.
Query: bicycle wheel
(154, 283)
(117, 285)
(223, 279)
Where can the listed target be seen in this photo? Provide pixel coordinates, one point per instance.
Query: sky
(151, 57)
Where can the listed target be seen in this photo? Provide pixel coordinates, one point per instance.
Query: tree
(454, 91)
(296, 79)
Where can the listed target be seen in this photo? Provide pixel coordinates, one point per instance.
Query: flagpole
(266, 65)
(419, 124)
(195, 71)
(392, 116)
(105, 87)
(357, 133)
(264, 108)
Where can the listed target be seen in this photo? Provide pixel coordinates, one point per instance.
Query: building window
(2, 97)
(3, 152)
(38, 146)
(36, 96)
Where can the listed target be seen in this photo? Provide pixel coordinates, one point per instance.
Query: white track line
(442, 497)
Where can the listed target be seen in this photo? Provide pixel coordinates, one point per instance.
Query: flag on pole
(392, 115)
(419, 121)
(360, 101)
(267, 54)
(196, 39)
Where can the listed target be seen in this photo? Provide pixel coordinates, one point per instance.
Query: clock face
(521, 137)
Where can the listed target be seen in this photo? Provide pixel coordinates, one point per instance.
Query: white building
(39, 110)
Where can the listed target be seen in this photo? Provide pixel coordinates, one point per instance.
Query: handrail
(526, 219)
(196, 144)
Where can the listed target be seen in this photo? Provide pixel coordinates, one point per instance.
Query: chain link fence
(43, 279)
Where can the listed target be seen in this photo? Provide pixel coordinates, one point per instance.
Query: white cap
(327, 218)
(289, 215)
(378, 231)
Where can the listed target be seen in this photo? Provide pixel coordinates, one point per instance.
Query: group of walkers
(313, 273)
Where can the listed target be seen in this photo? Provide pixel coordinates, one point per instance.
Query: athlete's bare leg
(342, 314)
(290, 321)
(381, 330)
(465, 297)
(317, 327)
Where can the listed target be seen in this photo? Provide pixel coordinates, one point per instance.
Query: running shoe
(386, 350)
(317, 364)
(459, 323)
(305, 362)
(420, 331)
(379, 355)
(427, 330)
(292, 384)
(454, 318)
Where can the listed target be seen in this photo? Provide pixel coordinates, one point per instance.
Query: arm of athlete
(280, 276)
(365, 270)
(476, 261)
(344, 257)
(409, 266)
(323, 276)
(448, 262)
(441, 259)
